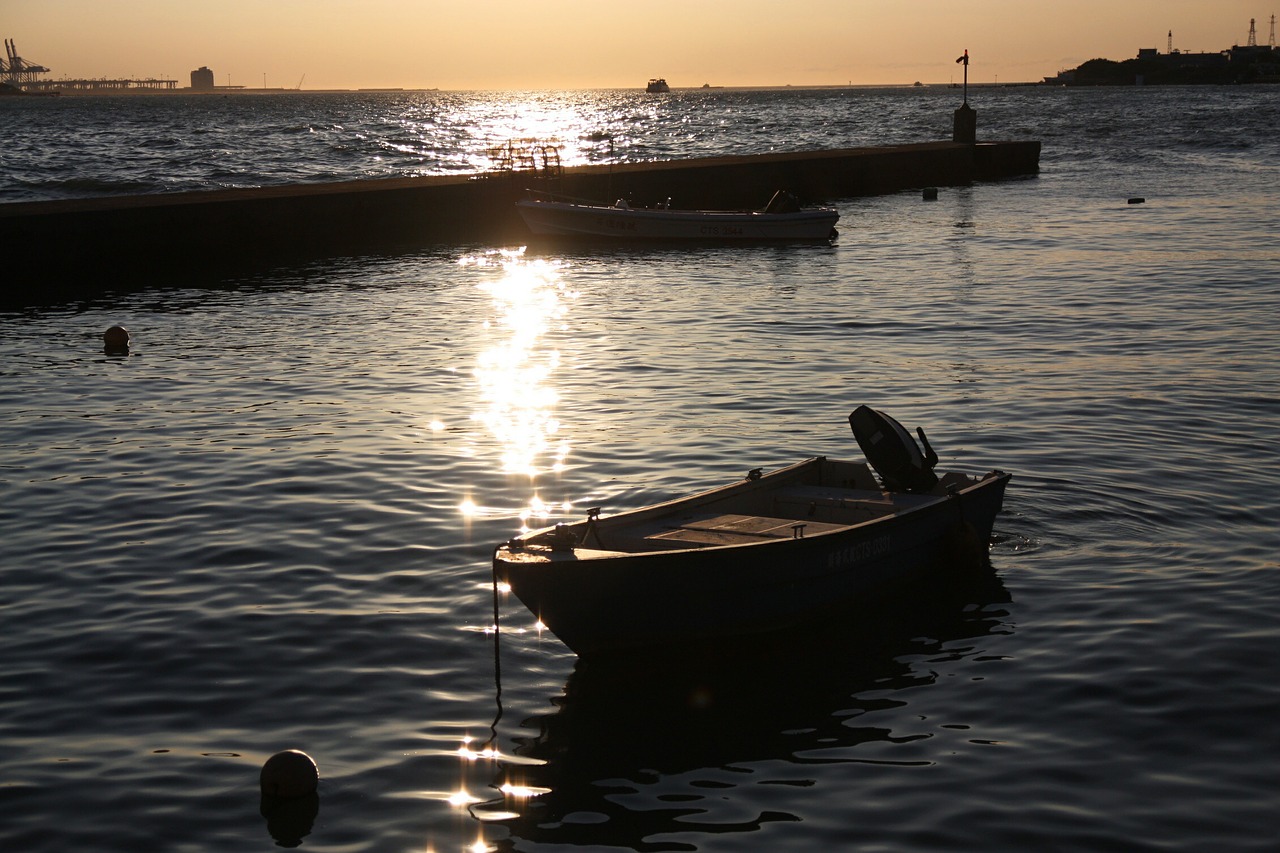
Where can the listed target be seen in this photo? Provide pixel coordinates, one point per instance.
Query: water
(268, 526)
(73, 147)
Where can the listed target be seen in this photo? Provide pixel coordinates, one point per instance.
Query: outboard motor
(782, 202)
(892, 452)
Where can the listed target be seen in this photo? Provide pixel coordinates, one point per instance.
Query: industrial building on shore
(24, 77)
(21, 76)
(1247, 63)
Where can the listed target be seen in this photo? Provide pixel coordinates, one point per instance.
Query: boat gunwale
(639, 515)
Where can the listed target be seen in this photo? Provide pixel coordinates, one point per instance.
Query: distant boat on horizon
(657, 85)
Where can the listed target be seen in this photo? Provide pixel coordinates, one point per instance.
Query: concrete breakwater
(82, 246)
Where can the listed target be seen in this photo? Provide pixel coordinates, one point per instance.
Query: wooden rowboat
(764, 553)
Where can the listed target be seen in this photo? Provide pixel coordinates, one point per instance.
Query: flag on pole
(965, 58)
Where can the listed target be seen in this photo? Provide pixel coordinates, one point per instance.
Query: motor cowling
(892, 452)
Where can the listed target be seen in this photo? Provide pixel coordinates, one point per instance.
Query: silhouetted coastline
(1249, 64)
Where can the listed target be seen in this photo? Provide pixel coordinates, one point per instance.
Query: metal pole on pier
(965, 123)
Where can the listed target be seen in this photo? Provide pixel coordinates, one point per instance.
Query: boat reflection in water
(651, 752)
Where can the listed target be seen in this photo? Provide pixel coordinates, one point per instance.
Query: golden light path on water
(574, 124)
(514, 374)
(490, 809)
(528, 300)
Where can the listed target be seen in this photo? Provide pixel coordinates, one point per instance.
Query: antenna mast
(1253, 33)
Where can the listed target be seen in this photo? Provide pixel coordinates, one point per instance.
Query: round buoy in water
(116, 339)
(930, 193)
(289, 774)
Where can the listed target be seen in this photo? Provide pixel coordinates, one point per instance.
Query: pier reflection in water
(643, 751)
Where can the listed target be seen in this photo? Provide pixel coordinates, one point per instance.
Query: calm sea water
(269, 525)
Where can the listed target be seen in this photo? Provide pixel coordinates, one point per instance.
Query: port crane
(17, 71)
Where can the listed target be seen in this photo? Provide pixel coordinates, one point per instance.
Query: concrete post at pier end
(965, 127)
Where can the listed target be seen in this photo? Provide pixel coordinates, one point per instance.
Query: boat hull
(601, 602)
(565, 219)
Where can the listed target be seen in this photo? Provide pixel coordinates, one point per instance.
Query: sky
(593, 44)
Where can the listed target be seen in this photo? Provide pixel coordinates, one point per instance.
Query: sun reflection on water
(486, 751)
(578, 124)
(514, 374)
(493, 809)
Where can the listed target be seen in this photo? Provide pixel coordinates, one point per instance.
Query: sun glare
(523, 792)
(536, 125)
(488, 751)
(514, 373)
(461, 798)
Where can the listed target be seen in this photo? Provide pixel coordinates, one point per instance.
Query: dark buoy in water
(289, 802)
(930, 193)
(1137, 200)
(116, 340)
(288, 775)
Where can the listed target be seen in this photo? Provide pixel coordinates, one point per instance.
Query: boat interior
(817, 497)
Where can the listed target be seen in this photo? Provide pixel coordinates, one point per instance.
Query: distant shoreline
(224, 92)
(245, 91)
(241, 91)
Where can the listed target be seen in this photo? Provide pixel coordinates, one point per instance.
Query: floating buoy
(288, 775)
(930, 193)
(116, 339)
(1137, 200)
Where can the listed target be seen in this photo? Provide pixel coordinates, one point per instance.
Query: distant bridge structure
(103, 85)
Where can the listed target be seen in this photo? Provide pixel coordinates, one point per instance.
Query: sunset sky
(572, 44)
